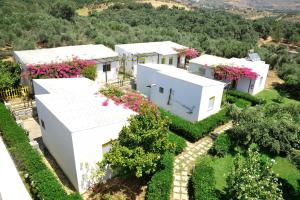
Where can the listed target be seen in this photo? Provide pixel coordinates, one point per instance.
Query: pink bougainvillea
(190, 53)
(132, 100)
(105, 103)
(230, 73)
(59, 70)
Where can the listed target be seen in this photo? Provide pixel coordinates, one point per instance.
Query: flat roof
(163, 48)
(68, 85)
(77, 103)
(64, 54)
(213, 61)
(184, 75)
(80, 113)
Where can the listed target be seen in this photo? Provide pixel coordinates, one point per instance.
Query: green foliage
(222, 145)
(248, 97)
(275, 128)
(295, 157)
(63, 9)
(178, 141)
(139, 146)
(111, 90)
(89, 72)
(242, 103)
(203, 181)
(160, 185)
(194, 131)
(10, 74)
(253, 178)
(43, 184)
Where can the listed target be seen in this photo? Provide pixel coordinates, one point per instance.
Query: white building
(184, 94)
(106, 58)
(205, 64)
(76, 127)
(164, 52)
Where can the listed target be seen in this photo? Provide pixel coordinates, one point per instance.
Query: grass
(272, 95)
(283, 167)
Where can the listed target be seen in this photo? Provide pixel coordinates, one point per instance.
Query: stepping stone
(177, 183)
(176, 196)
(176, 189)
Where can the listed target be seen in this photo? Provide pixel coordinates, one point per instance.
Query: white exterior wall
(260, 85)
(207, 93)
(184, 96)
(87, 147)
(198, 69)
(58, 140)
(112, 75)
(132, 62)
(145, 77)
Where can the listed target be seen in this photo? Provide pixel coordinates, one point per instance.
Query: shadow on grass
(288, 191)
(288, 91)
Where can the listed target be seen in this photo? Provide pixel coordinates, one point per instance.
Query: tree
(10, 74)
(275, 128)
(63, 9)
(140, 145)
(253, 178)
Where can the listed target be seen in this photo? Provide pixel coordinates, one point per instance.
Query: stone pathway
(185, 162)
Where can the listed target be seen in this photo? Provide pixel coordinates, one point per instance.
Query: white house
(165, 52)
(184, 94)
(205, 64)
(106, 58)
(76, 126)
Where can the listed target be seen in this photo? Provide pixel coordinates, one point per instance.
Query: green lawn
(283, 167)
(272, 95)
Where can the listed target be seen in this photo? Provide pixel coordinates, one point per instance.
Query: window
(106, 67)
(201, 71)
(261, 81)
(163, 60)
(211, 103)
(161, 90)
(43, 124)
(171, 61)
(142, 60)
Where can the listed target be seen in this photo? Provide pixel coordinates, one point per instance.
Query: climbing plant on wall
(231, 73)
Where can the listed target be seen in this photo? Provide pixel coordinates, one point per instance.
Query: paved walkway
(11, 185)
(185, 162)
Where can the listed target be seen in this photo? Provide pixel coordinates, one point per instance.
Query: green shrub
(160, 185)
(45, 186)
(12, 134)
(179, 142)
(202, 183)
(27, 158)
(89, 72)
(295, 157)
(195, 131)
(222, 145)
(242, 103)
(43, 183)
(111, 90)
(254, 100)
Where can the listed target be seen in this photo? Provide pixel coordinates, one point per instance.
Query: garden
(257, 159)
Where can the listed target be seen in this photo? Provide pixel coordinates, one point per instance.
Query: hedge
(43, 184)
(160, 185)
(254, 100)
(179, 142)
(195, 131)
(202, 182)
(222, 145)
(242, 103)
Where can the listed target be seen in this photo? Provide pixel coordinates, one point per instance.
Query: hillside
(279, 5)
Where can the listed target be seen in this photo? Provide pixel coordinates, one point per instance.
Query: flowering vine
(70, 69)
(129, 99)
(190, 53)
(230, 73)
